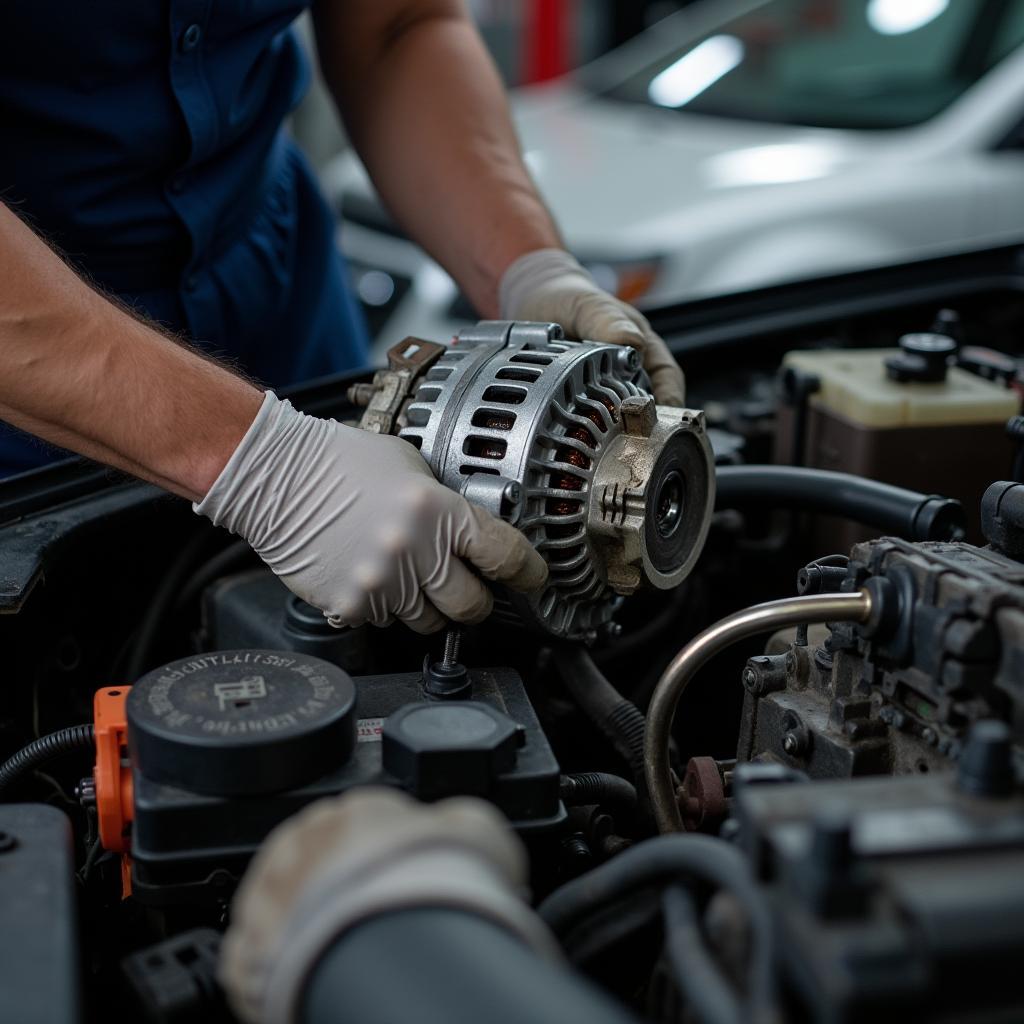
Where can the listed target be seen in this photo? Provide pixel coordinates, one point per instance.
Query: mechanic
(145, 142)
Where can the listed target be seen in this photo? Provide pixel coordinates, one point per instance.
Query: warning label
(368, 730)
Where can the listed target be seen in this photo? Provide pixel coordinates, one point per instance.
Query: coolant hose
(895, 510)
(65, 741)
(761, 618)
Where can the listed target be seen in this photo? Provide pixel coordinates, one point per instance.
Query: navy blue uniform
(143, 138)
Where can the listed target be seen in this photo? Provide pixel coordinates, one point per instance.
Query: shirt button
(190, 38)
(176, 184)
(191, 282)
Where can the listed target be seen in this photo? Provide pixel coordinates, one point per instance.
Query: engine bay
(788, 619)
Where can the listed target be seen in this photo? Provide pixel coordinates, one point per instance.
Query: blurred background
(706, 148)
(531, 41)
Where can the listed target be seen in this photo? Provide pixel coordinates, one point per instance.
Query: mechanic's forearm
(427, 112)
(79, 372)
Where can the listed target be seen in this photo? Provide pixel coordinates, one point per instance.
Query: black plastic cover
(192, 847)
(175, 981)
(38, 918)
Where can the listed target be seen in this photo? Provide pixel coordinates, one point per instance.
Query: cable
(216, 566)
(161, 604)
(671, 860)
(907, 514)
(46, 748)
(657, 861)
(694, 970)
(761, 618)
(616, 717)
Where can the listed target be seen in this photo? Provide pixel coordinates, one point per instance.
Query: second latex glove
(355, 524)
(551, 286)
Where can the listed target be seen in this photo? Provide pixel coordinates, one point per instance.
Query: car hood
(639, 175)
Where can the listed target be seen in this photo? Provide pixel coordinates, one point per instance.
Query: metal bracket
(384, 400)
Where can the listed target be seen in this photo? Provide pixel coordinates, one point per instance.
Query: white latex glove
(355, 524)
(344, 860)
(549, 285)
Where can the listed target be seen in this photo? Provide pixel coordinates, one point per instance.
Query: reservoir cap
(235, 723)
(922, 359)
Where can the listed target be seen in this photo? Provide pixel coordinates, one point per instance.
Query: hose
(39, 751)
(616, 717)
(587, 788)
(670, 860)
(761, 618)
(216, 566)
(694, 969)
(161, 604)
(895, 510)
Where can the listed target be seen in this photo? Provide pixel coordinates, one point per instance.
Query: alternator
(563, 440)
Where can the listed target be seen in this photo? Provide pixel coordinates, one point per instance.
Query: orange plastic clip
(113, 776)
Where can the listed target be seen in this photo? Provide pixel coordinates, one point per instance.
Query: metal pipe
(761, 618)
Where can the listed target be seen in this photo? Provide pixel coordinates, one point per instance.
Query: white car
(742, 144)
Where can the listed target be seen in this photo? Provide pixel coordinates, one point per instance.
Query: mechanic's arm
(79, 372)
(427, 113)
(352, 522)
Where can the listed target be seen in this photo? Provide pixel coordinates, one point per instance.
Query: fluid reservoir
(902, 416)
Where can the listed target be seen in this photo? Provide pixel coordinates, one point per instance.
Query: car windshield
(869, 64)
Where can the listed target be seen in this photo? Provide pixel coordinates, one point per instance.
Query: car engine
(761, 734)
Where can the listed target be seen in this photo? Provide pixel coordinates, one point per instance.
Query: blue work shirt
(144, 140)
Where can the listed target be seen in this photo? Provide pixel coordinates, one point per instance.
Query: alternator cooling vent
(519, 402)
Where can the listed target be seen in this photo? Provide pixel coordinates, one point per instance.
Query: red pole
(546, 45)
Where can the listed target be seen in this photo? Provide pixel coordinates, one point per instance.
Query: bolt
(764, 674)
(361, 394)
(85, 791)
(888, 715)
(452, 644)
(7, 842)
(790, 663)
(751, 681)
(796, 740)
(628, 359)
(575, 848)
(929, 736)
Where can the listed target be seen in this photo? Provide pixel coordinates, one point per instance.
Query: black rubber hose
(213, 569)
(667, 860)
(46, 748)
(455, 968)
(162, 603)
(619, 719)
(585, 788)
(661, 860)
(694, 970)
(894, 510)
